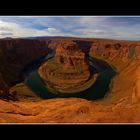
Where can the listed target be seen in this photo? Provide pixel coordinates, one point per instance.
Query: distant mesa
(68, 71)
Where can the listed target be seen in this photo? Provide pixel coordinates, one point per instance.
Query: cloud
(79, 26)
(10, 29)
(6, 34)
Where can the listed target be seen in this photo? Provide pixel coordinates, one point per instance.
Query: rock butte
(121, 105)
(68, 71)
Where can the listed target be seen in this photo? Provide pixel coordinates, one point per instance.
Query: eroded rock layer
(68, 70)
(121, 105)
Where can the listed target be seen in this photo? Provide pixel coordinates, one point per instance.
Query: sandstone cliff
(121, 104)
(15, 54)
(68, 70)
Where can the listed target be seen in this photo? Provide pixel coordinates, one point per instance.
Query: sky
(113, 27)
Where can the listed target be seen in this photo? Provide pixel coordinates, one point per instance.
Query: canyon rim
(50, 78)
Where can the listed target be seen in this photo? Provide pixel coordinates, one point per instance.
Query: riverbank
(73, 90)
(96, 91)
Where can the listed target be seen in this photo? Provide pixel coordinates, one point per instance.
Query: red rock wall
(113, 50)
(15, 54)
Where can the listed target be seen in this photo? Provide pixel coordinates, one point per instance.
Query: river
(97, 91)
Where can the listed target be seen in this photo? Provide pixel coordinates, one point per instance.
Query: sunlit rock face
(68, 70)
(121, 105)
(69, 55)
(137, 52)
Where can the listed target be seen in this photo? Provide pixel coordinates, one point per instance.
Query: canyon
(68, 71)
(120, 105)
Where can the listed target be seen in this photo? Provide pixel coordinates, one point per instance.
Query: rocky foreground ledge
(121, 105)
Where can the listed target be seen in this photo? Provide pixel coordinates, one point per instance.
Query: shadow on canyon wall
(84, 45)
(97, 91)
(17, 54)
